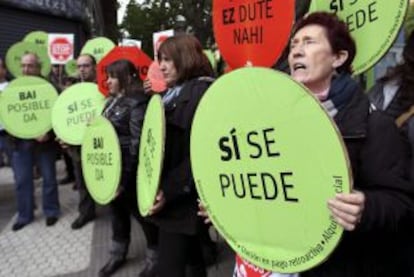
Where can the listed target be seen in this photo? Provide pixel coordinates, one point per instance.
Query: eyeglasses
(83, 65)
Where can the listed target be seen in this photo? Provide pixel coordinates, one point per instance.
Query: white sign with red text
(158, 38)
(60, 48)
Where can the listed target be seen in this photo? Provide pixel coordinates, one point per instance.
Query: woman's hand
(43, 138)
(147, 86)
(62, 144)
(347, 208)
(159, 203)
(203, 213)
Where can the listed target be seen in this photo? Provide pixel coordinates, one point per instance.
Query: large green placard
(373, 24)
(151, 154)
(17, 50)
(75, 107)
(266, 166)
(26, 107)
(37, 37)
(101, 160)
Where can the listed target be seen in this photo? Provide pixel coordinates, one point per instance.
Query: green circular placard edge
(98, 47)
(151, 154)
(37, 37)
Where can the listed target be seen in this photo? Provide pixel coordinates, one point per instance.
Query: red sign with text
(252, 32)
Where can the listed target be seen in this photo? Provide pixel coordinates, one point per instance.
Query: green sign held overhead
(37, 37)
(98, 47)
(266, 167)
(76, 107)
(26, 107)
(373, 24)
(101, 160)
(151, 154)
(17, 50)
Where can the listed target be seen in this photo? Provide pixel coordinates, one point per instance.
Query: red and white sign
(60, 48)
(252, 32)
(158, 38)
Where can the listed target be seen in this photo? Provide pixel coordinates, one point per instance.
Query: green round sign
(265, 168)
(101, 160)
(26, 107)
(151, 154)
(98, 47)
(37, 37)
(373, 24)
(17, 50)
(75, 107)
(71, 68)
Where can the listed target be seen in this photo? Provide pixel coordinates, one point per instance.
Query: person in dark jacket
(188, 74)
(376, 213)
(394, 94)
(125, 109)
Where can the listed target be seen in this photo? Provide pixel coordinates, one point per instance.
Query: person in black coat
(376, 213)
(188, 73)
(125, 109)
(394, 94)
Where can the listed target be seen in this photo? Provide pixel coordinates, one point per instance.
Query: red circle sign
(252, 32)
(132, 54)
(61, 49)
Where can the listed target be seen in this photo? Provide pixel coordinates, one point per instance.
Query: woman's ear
(340, 58)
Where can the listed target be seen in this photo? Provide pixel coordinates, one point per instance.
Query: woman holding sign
(188, 73)
(375, 213)
(125, 109)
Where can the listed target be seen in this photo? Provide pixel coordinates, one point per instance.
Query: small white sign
(131, 42)
(158, 38)
(60, 48)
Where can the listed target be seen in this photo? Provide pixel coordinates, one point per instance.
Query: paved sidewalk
(40, 251)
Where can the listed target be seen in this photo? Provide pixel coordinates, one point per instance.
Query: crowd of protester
(378, 131)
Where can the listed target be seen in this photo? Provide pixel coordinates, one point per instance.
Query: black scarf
(340, 93)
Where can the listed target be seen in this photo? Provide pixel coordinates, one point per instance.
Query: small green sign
(37, 37)
(71, 68)
(151, 154)
(76, 107)
(373, 24)
(26, 107)
(98, 47)
(266, 167)
(17, 50)
(101, 160)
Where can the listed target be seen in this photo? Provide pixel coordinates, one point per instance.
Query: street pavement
(40, 251)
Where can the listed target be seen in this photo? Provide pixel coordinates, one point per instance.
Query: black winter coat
(377, 246)
(179, 215)
(127, 116)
